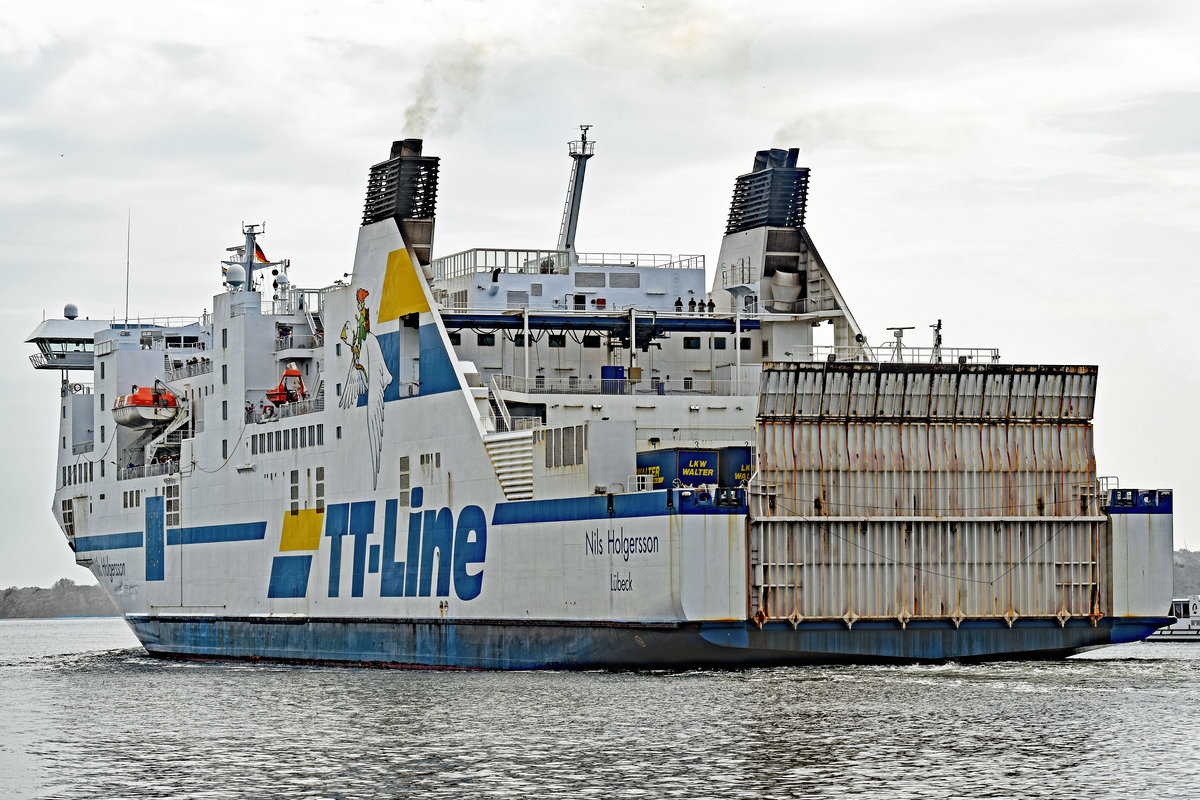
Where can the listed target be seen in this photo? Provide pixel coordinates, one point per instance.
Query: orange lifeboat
(290, 388)
(145, 408)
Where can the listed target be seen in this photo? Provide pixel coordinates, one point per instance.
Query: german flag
(258, 255)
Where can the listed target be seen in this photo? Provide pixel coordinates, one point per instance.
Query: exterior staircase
(512, 459)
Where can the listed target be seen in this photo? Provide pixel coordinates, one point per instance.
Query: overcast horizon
(1027, 172)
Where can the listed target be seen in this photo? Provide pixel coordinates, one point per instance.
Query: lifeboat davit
(145, 408)
(290, 388)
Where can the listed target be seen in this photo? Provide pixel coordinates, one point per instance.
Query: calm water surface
(86, 714)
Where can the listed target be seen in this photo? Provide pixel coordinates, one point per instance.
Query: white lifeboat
(145, 408)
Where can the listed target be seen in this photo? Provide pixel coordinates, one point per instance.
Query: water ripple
(111, 723)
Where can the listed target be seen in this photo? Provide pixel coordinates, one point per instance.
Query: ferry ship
(1186, 625)
(548, 458)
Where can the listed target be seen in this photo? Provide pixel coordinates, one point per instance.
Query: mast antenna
(128, 228)
(580, 151)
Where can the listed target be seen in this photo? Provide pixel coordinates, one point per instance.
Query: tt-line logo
(433, 539)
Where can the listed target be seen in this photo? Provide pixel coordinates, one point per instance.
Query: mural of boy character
(368, 377)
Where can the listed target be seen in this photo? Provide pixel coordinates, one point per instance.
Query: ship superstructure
(522, 458)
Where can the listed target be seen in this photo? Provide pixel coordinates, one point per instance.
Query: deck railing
(891, 354)
(626, 386)
(302, 342)
(201, 367)
(308, 405)
(148, 470)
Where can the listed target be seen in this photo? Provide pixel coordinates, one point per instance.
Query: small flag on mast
(258, 254)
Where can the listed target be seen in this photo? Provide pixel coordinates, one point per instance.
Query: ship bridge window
(518, 340)
(558, 340)
(691, 343)
(718, 343)
(486, 339)
(455, 338)
(65, 347)
(591, 341)
(744, 343)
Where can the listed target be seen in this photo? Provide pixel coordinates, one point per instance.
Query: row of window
(83, 472)
(132, 499)
(294, 439)
(717, 343)
(565, 447)
(68, 517)
(591, 341)
(171, 492)
(319, 493)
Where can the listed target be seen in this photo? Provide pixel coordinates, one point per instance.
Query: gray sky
(1029, 172)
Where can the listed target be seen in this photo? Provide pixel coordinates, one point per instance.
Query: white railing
(890, 354)
(190, 370)
(550, 262)
(309, 405)
(148, 470)
(657, 260)
(531, 262)
(302, 342)
(626, 386)
(640, 483)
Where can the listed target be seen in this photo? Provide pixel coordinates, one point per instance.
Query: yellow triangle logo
(402, 290)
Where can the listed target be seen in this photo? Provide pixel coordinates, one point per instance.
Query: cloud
(1157, 125)
(446, 89)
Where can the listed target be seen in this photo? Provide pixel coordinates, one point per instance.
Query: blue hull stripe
(208, 534)
(108, 541)
(211, 534)
(570, 509)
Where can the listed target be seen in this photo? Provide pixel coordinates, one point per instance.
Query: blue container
(689, 467)
(612, 380)
(736, 465)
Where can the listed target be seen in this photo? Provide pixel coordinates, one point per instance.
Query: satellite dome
(235, 276)
(282, 280)
(70, 311)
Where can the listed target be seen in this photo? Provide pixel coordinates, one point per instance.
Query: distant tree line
(64, 599)
(1187, 573)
